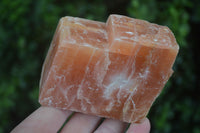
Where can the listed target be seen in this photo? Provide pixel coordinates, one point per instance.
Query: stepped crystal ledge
(114, 69)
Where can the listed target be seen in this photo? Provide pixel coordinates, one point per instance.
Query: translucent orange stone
(114, 69)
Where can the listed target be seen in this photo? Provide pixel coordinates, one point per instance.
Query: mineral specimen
(114, 69)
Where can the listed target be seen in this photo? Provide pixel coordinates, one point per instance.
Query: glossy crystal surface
(114, 69)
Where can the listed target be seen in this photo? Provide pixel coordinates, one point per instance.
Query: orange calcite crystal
(114, 69)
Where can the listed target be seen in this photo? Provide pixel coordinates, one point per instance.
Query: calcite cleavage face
(114, 69)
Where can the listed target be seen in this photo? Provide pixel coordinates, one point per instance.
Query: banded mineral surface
(114, 69)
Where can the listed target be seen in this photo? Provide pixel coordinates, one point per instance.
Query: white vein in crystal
(130, 33)
(101, 70)
(124, 37)
(88, 45)
(65, 92)
(128, 103)
(109, 107)
(79, 23)
(145, 73)
(50, 90)
(48, 100)
(80, 89)
(118, 39)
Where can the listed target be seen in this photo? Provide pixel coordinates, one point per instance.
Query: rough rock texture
(114, 69)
